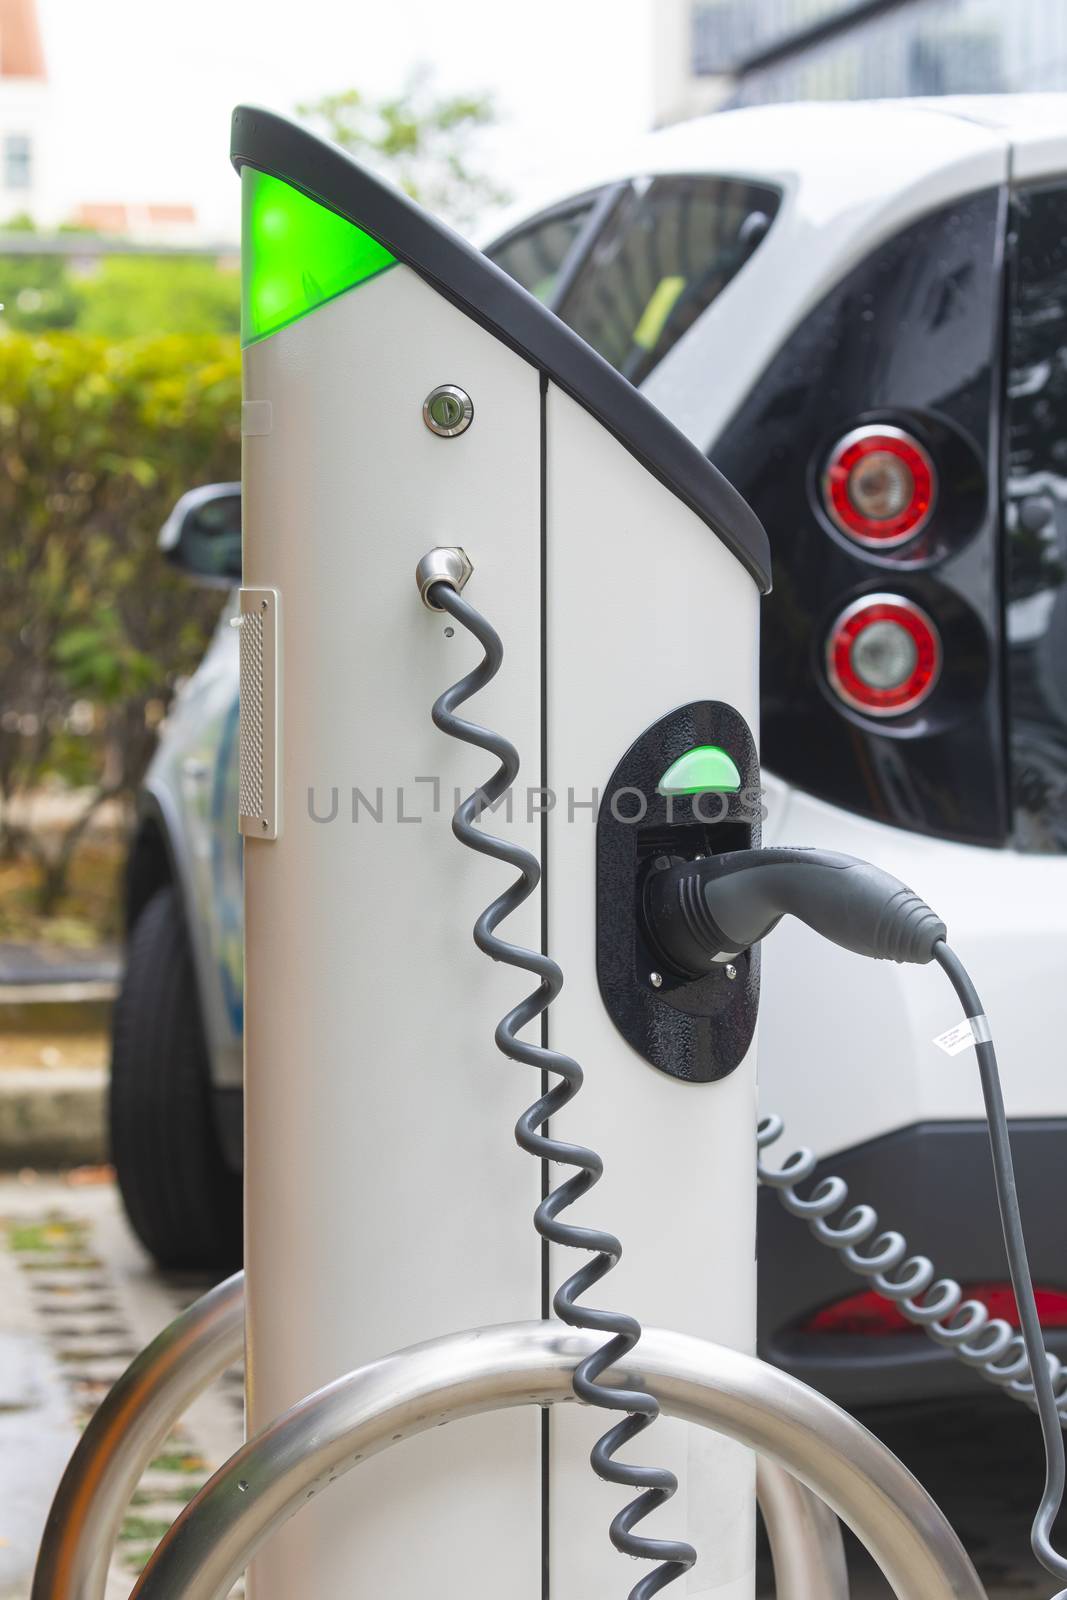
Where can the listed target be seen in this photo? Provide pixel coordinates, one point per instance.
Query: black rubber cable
(1018, 1265)
(698, 910)
(656, 1484)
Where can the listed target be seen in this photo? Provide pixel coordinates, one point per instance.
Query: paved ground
(78, 1298)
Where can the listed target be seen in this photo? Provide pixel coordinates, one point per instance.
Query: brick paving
(88, 1300)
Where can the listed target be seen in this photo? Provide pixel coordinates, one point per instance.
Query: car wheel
(181, 1198)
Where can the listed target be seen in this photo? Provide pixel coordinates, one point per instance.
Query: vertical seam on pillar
(546, 1283)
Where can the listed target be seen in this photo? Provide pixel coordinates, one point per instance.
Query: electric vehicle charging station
(418, 433)
(389, 1203)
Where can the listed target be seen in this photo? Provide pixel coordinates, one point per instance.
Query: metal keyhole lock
(448, 410)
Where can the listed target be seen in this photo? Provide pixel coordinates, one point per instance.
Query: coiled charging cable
(440, 577)
(964, 1328)
(702, 911)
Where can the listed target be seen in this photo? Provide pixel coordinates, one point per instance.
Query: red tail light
(879, 486)
(868, 1314)
(883, 655)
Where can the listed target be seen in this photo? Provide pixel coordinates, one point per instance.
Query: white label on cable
(955, 1040)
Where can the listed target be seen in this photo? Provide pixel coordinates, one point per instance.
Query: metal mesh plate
(257, 784)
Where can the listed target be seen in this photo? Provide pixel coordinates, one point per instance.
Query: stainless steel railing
(813, 1456)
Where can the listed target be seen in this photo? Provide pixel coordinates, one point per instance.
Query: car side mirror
(202, 535)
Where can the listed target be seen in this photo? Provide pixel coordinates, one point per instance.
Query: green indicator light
(295, 255)
(704, 770)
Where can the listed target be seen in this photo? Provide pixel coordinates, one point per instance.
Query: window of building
(725, 33)
(18, 161)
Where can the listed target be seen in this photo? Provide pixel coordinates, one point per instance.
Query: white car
(859, 311)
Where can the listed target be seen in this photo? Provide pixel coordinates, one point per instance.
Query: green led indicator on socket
(295, 255)
(707, 769)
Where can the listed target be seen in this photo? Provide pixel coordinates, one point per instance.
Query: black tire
(183, 1201)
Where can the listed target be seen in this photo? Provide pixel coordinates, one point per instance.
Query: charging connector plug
(699, 912)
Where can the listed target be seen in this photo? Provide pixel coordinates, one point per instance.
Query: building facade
(749, 52)
(23, 111)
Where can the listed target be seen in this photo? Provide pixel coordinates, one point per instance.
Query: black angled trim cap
(486, 294)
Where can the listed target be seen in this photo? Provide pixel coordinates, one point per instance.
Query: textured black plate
(697, 1030)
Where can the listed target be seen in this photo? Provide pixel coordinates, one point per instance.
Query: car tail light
(879, 486)
(883, 655)
(867, 1314)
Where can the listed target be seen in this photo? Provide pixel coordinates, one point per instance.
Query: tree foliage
(97, 441)
(119, 390)
(425, 141)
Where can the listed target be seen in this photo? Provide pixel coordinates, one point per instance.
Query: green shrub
(118, 296)
(128, 294)
(97, 441)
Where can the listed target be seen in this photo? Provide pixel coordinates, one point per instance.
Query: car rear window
(668, 247)
(534, 253)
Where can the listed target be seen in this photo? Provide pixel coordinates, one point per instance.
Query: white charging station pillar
(387, 1201)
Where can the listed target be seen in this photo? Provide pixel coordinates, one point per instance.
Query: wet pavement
(78, 1297)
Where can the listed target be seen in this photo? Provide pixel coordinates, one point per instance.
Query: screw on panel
(730, 970)
(655, 979)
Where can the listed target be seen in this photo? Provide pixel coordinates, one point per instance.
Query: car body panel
(190, 792)
(879, 1068)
